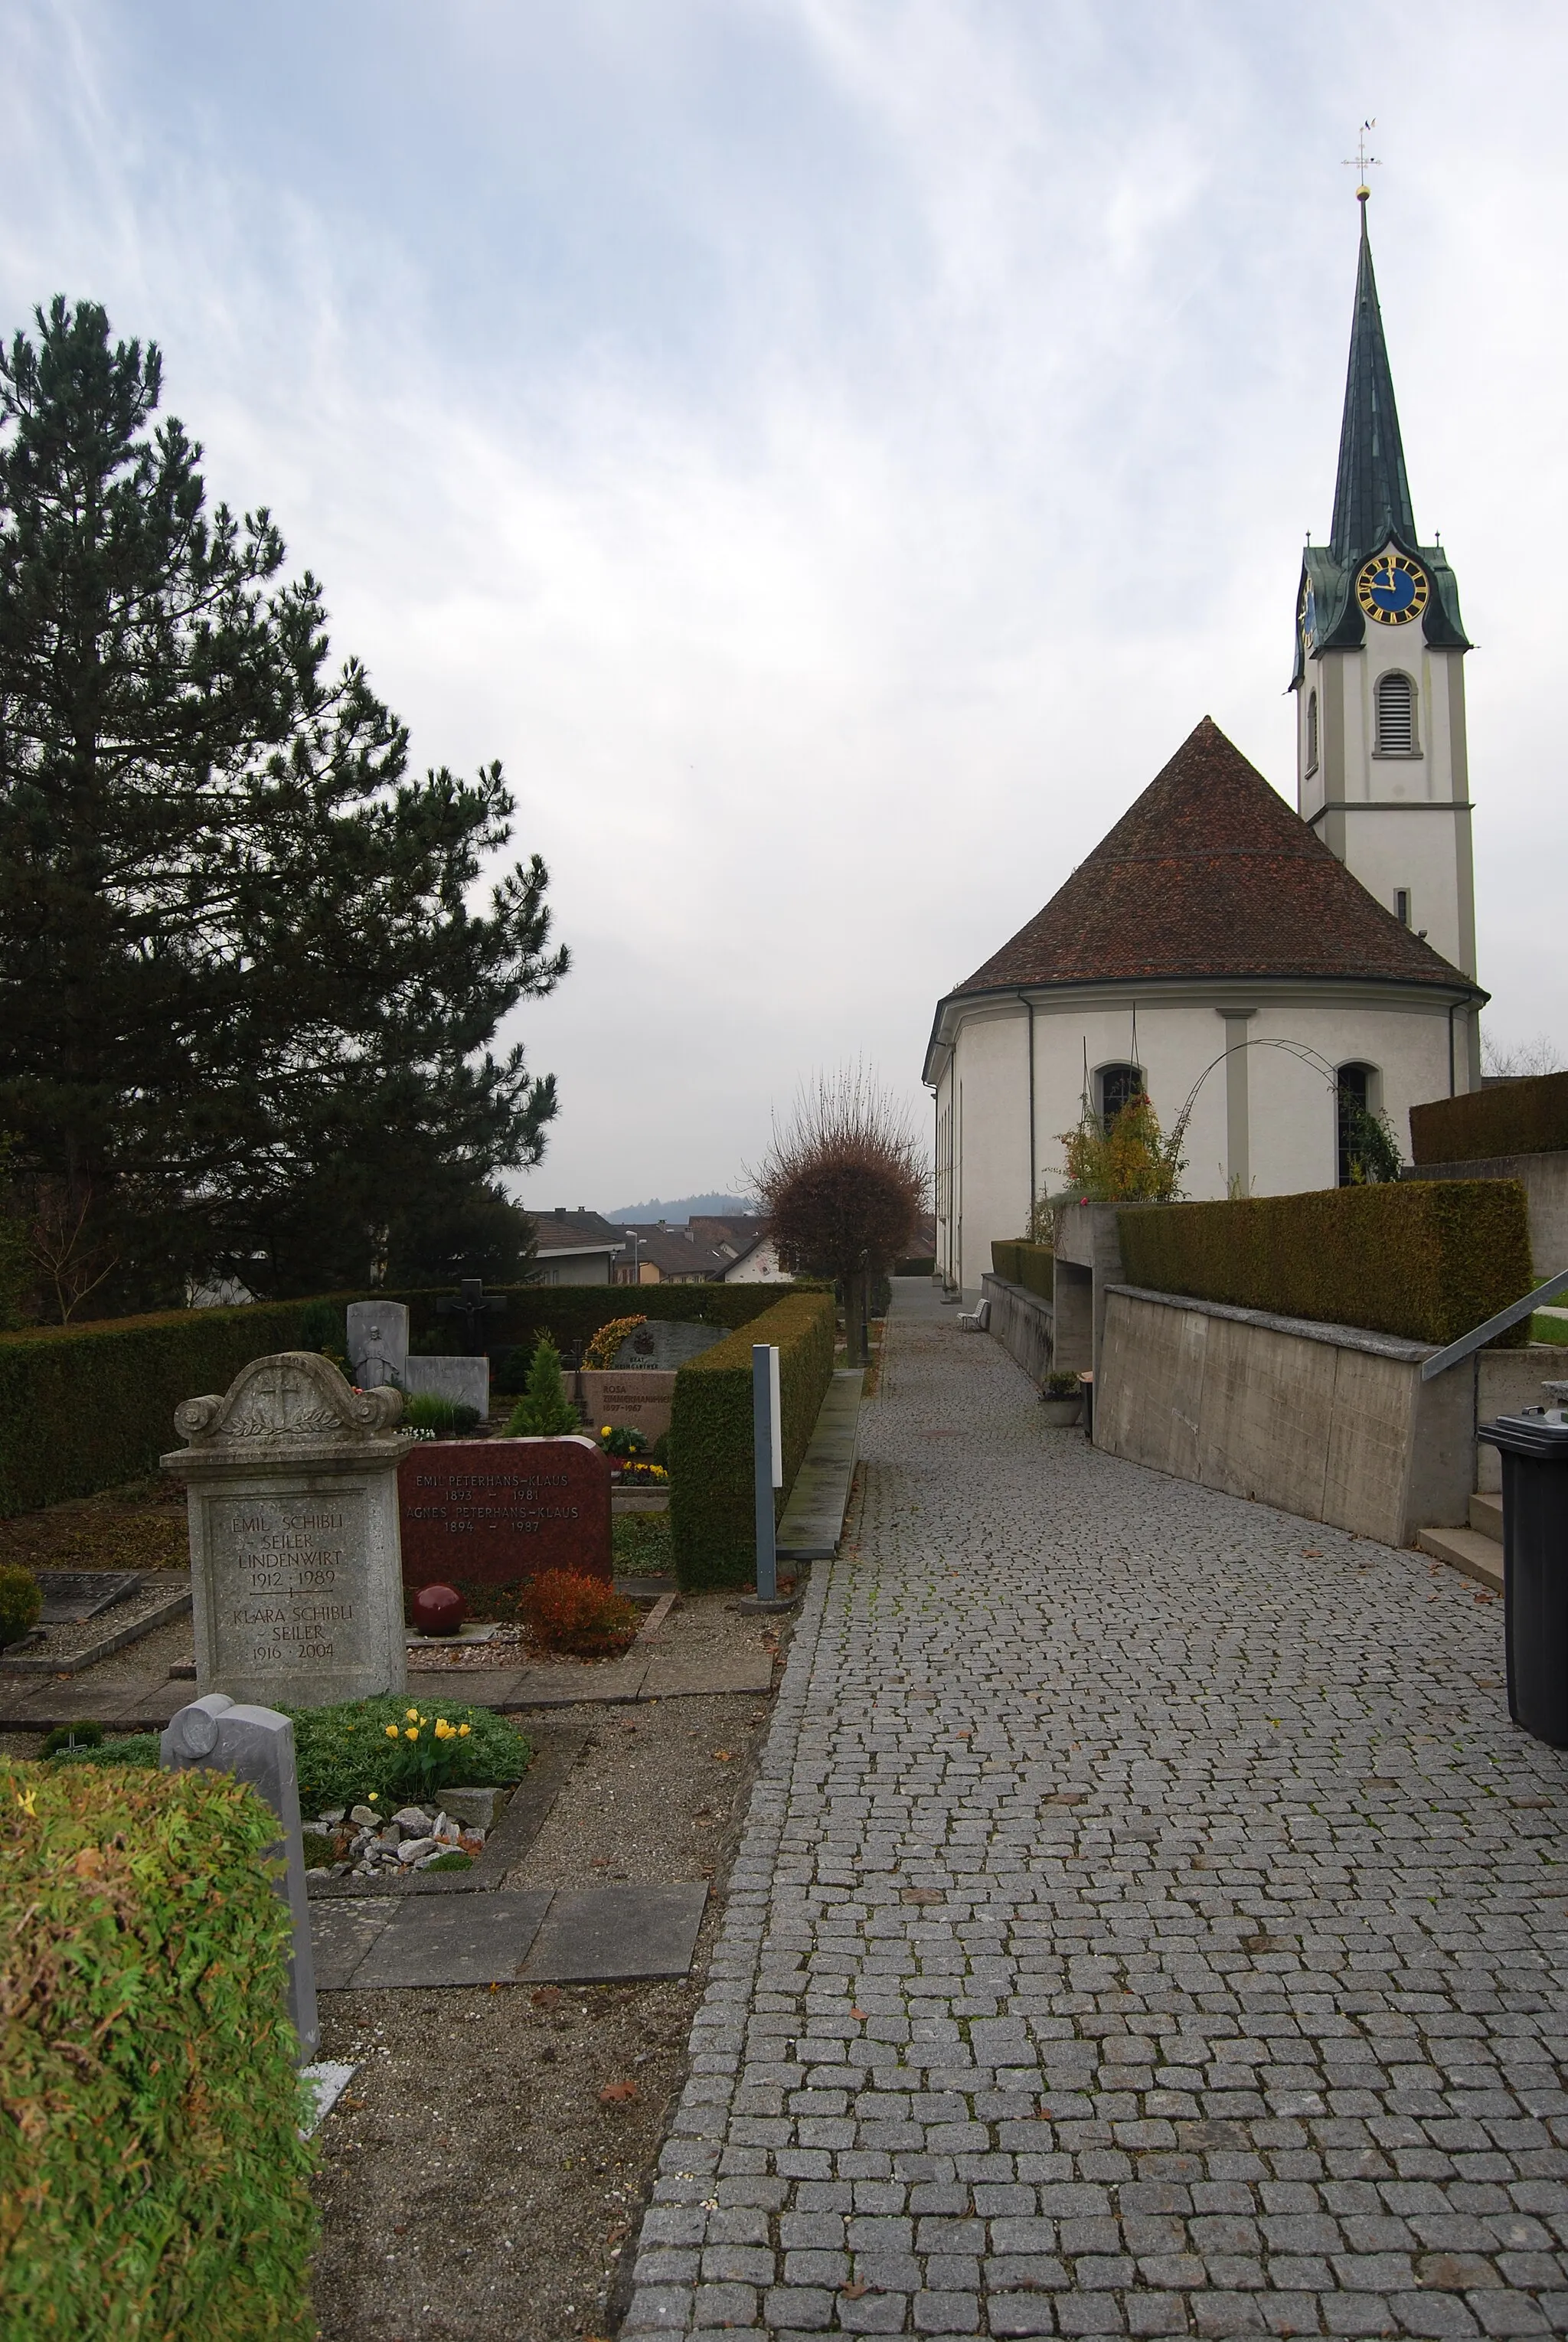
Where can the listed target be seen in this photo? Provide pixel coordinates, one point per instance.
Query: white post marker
(767, 1469)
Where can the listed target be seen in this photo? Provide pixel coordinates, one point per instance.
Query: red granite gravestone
(495, 1512)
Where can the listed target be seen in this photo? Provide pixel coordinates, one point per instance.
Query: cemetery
(500, 1729)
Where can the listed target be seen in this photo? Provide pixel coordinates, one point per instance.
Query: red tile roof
(1211, 874)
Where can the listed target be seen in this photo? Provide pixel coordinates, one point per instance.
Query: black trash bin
(1534, 1450)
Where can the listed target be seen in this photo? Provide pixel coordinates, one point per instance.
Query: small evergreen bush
(544, 1411)
(69, 1737)
(153, 2179)
(20, 1602)
(582, 1615)
(323, 1326)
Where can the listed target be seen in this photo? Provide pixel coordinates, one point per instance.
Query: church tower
(1382, 769)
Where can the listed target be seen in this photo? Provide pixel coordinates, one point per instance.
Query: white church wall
(1295, 1038)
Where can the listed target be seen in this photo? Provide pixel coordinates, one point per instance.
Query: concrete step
(1478, 1557)
(1486, 1514)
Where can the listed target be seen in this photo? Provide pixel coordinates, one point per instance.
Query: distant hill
(676, 1208)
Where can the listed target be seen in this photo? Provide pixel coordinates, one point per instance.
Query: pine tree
(246, 997)
(544, 1411)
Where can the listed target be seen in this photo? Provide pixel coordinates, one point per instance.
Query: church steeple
(1382, 769)
(1371, 494)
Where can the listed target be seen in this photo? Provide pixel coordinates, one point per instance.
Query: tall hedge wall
(1524, 1117)
(153, 2180)
(1032, 1266)
(1427, 1258)
(712, 1517)
(83, 1408)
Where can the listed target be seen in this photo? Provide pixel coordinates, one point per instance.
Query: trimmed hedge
(1523, 1117)
(152, 2179)
(1428, 1259)
(1032, 1266)
(712, 1517)
(85, 1407)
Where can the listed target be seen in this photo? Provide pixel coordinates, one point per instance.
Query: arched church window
(1395, 715)
(1355, 1103)
(1117, 1085)
(1312, 732)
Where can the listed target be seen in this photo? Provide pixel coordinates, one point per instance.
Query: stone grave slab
(630, 1402)
(467, 1940)
(477, 1514)
(292, 1489)
(71, 1597)
(664, 1343)
(618, 1933)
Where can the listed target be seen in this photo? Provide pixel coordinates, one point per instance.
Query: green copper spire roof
(1372, 495)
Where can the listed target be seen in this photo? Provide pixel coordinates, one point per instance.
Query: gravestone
(379, 1359)
(634, 1402)
(663, 1345)
(377, 1343)
(292, 1491)
(256, 1744)
(480, 1512)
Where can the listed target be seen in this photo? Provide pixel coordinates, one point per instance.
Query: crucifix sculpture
(472, 1305)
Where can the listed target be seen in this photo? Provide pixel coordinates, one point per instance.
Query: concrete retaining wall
(1022, 1323)
(1326, 1421)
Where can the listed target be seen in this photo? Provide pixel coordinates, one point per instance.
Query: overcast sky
(832, 451)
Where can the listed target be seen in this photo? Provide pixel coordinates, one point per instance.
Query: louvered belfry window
(1395, 715)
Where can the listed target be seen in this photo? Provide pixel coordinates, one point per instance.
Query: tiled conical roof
(1211, 874)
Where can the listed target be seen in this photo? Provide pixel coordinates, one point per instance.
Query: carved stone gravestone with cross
(295, 1566)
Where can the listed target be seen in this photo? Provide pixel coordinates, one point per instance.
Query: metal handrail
(1468, 1344)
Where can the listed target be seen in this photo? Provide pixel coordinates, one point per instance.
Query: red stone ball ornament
(438, 1610)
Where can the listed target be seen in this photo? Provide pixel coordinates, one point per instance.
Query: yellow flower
(411, 1732)
(604, 1431)
(375, 1793)
(27, 1800)
(411, 1715)
(462, 1731)
(392, 1731)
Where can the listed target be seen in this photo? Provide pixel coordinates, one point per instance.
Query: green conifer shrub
(543, 1411)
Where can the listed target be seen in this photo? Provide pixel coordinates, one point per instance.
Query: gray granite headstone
(663, 1345)
(256, 1744)
(377, 1343)
(465, 1381)
(296, 1567)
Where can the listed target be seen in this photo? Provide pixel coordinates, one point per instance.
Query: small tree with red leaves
(843, 1186)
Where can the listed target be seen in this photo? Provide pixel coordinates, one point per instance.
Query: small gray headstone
(377, 1343)
(663, 1345)
(297, 1568)
(465, 1381)
(256, 1744)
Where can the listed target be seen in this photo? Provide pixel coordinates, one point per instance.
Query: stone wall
(1022, 1323)
(1326, 1421)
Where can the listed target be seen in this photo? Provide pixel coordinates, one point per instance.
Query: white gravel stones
(1239, 2007)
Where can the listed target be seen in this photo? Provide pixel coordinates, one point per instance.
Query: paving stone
(607, 1933)
(469, 1940)
(1147, 1921)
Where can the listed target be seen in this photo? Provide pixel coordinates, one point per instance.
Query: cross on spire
(1360, 162)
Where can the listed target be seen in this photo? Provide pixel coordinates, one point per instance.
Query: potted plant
(1060, 1400)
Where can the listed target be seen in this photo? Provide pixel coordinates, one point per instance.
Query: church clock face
(1306, 619)
(1392, 589)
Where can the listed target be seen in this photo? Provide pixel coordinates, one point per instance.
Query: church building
(1226, 956)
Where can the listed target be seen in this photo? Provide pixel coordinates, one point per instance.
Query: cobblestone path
(1148, 1922)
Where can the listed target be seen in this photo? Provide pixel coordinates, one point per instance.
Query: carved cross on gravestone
(472, 1305)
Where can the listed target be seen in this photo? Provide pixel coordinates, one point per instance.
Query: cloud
(833, 450)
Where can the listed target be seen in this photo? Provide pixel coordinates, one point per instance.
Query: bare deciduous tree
(843, 1184)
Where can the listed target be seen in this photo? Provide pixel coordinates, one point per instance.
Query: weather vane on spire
(1360, 162)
